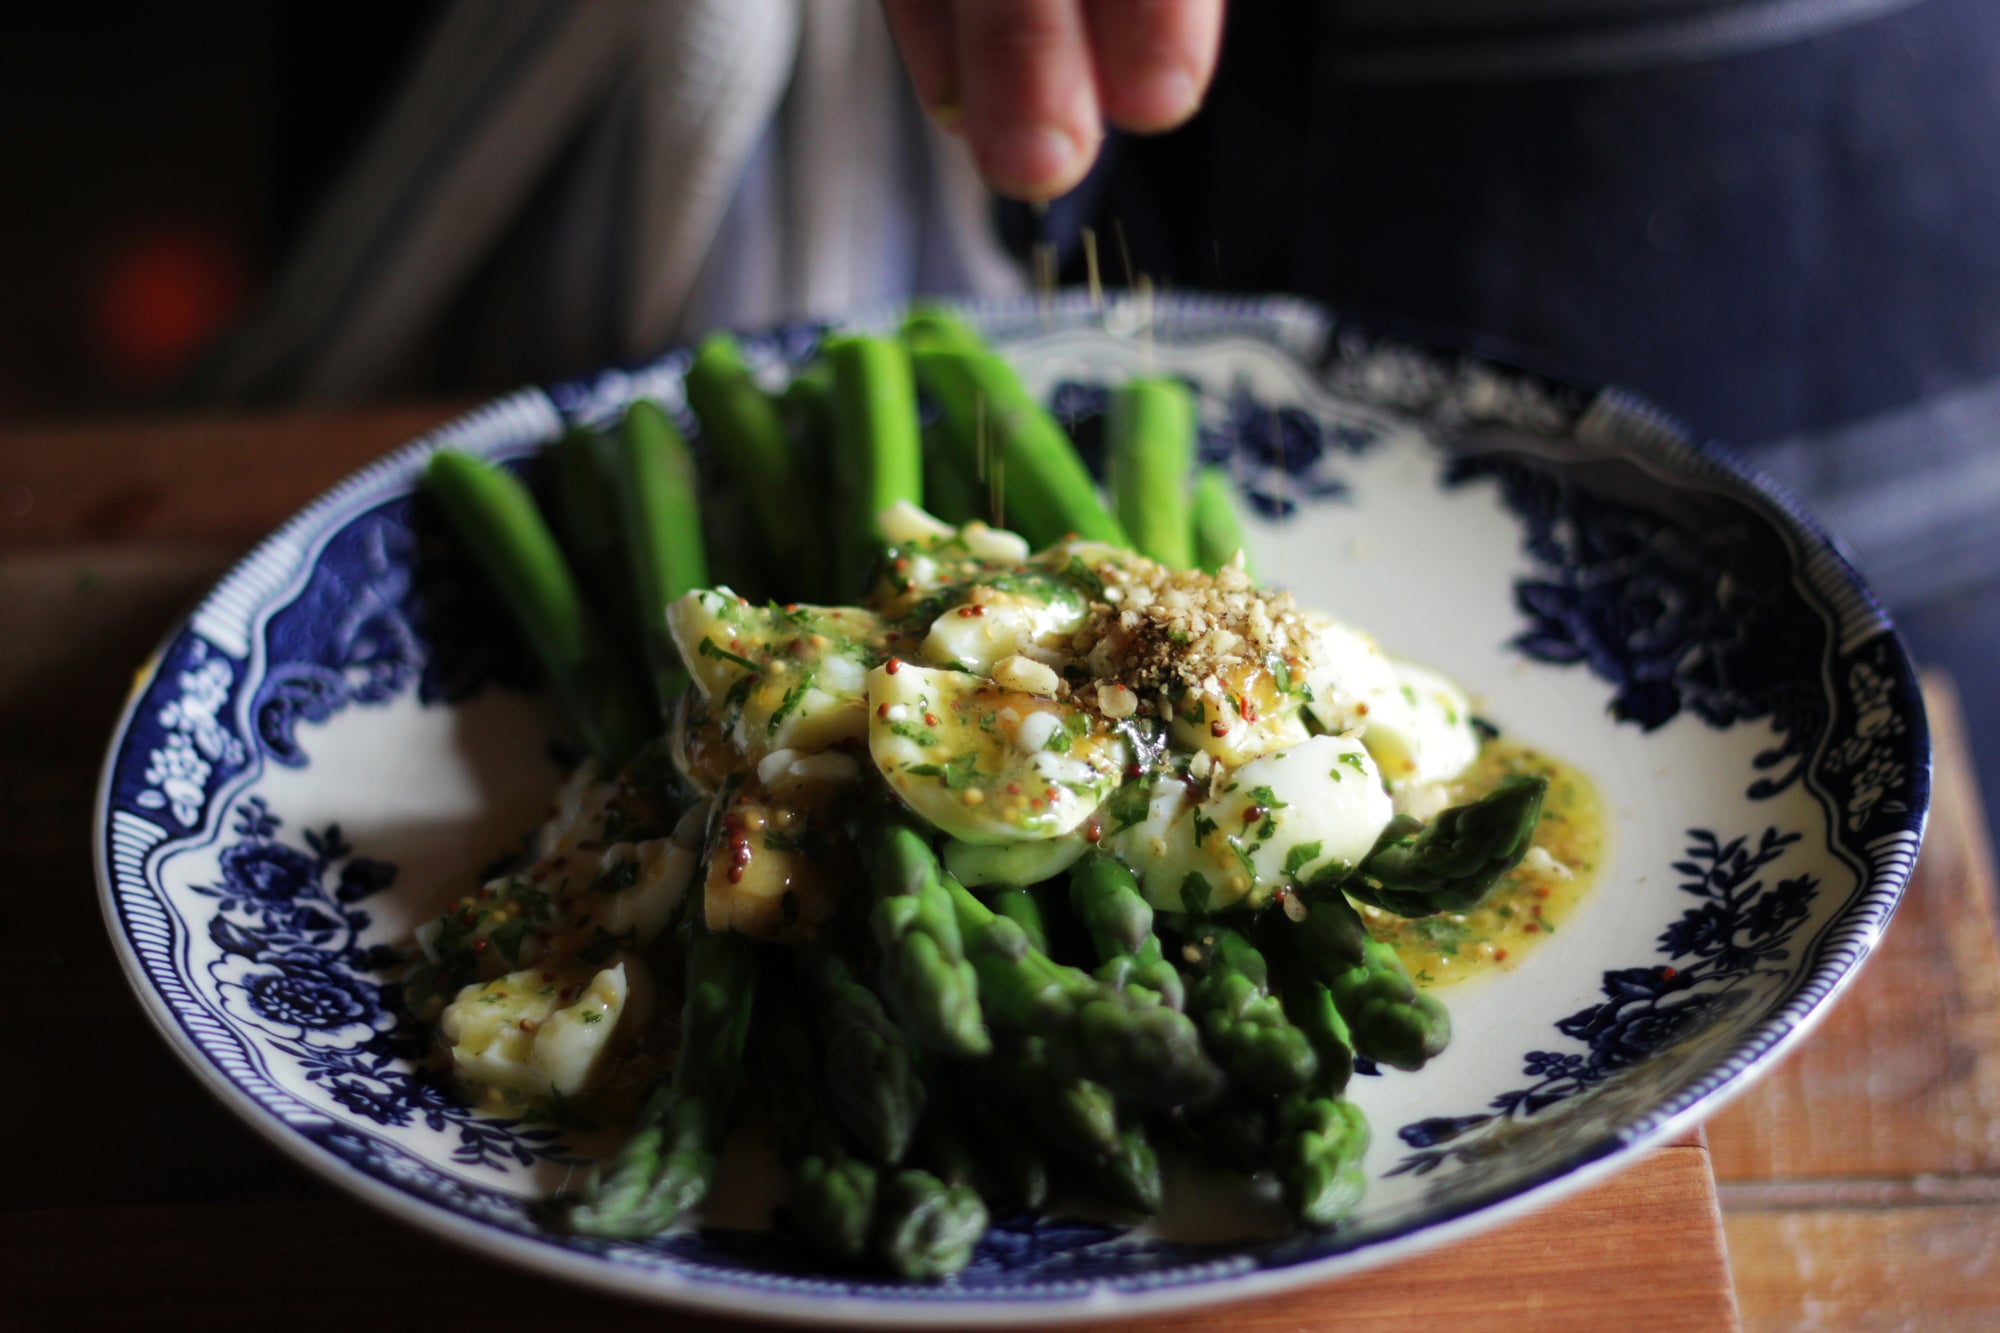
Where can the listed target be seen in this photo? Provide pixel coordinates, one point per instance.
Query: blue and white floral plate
(338, 739)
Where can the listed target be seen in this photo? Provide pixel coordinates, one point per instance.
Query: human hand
(1029, 84)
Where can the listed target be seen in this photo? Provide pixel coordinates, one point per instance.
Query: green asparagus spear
(1391, 1021)
(950, 491)
(933, 327)
(1010, 1167)
(747, 435)
(806, 404)
(868, 1065)
(1129, 1175)
(924, 1228)
(943, 1146)
(1311, 1008)
(587, 510)
(877, 450)
(991, 424)
(964, 1142)
(833, 1202)
(975, 864)
(1218, 531)
(1238, 1132)
(1244, 1023)
(1075, 1115)
(660, 514)
(1105, 897)
(665, 1168)
(1318, 1160)
(1152, 448)
(925, 975)
(1450, 864)
(832, 1196)
(1079, 1120)
(1024, 909)
(496, 519)
(1125, 1039)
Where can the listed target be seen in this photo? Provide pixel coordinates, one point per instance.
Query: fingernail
(1164, 99)
(1176, 94)
(1031, 160)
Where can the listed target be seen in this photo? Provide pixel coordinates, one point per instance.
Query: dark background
(159, 159)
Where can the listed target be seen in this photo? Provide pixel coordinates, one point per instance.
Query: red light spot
(164, 296)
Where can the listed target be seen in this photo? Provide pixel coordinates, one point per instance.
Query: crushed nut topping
(1162, 630)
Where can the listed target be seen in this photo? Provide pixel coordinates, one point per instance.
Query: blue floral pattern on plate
(1644, 562)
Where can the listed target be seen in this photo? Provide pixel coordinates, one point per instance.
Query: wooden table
(1859, 1184)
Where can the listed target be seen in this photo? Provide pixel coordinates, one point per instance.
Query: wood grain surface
(1860, 1179)
(1860, 1182)
(210, 478)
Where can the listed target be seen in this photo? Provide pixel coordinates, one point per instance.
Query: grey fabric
(557, 186)
(1913, 493)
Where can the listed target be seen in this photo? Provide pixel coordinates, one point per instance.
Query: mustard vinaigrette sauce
(1532, 902)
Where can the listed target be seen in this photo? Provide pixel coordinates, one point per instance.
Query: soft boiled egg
(985, 763)
(777, 678)
(546, 1030)
(1285, 818)
(1024, 612)
(1416, 723)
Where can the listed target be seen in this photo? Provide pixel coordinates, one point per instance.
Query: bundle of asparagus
(925, 1016)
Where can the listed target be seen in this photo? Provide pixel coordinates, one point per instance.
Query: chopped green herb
(910, 731)
(1243, 859)
(739, 693)
(507, 937)
(1128, 806)
(1302, 855)
(957, 773)
(793, 697)
(710, 648)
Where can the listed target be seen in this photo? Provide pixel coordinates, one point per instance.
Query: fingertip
(1154, 59)
(1033, 162)
(1161, 100)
